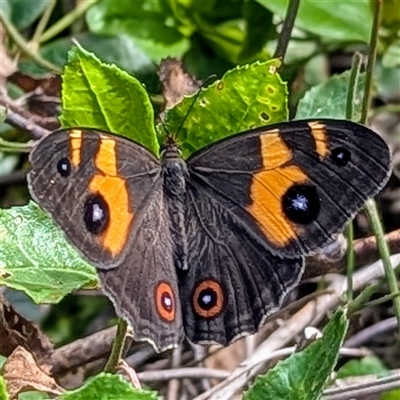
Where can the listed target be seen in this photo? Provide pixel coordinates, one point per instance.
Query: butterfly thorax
(175, 175)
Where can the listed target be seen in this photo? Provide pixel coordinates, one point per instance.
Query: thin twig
(286, 32)
(24, 47)
(361, 390)
(66, 20)
(117, 347)
(363, 336)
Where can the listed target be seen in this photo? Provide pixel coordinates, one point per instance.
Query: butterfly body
(210, 246)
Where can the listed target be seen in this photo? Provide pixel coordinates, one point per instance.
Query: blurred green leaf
(110, 48)
(108, 387)
(3, 113)
(337, 20)
(246, 97)
(149, 24)
(328, 100)
(5, 8)
(25, 12)
(3, 391)
(391, 57)
(390, 13)
(259, 28)
(102, 96)
(303, 375)
(33, 396)
(388, 81)
(36, 258)
(365, 366)
(370, 365)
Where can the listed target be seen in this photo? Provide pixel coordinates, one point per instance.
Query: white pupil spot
(167, 301)
(300, 203)
(207, 299)
(97, 213)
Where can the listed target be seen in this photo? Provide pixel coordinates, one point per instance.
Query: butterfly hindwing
(233, 282)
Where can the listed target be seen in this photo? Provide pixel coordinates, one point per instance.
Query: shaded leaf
(25, 12)
(110, 48)
(149, 24)
(328, 100)
(342, 20)
(36, 258)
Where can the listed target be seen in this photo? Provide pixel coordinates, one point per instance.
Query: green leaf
(3, 113)
(391, 395)
(149, 24)
(246, 97)
(328, 100)
(109, 48)
(391, 57)
(332, 19)
(303, 375)
(370, 365)
(5, 8)
(365, 366)
(108, 387)
(102, 96)
(25, 12)
(36, 258)
(33, 396)
(259, 28)
(3, 390)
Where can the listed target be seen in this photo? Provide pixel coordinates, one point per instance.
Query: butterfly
(208, 247)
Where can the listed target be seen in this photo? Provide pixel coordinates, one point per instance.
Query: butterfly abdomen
(175, 175)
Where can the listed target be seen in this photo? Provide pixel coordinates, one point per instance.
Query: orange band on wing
(114, 191)
(106, 157)
(268, 188)
(321, 139)
(75, 138)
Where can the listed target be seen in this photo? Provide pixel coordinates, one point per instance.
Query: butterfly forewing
(295, 184)
(106, 194)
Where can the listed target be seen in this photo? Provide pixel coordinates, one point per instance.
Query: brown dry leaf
(21, 374)
(176, 82)
(130, 374)
(15, 330)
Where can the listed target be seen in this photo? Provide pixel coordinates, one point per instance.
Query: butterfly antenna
(193, 103)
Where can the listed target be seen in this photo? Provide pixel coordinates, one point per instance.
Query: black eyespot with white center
(208, 298)
(301, 204)
(64, 167)
(340, 156)
(167, 301)
(96, 214)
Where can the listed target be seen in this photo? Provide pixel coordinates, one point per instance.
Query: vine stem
(351, 93)
(117, 347)
(286, 32)
(24, 46)
(370, 206)
(66, 21)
